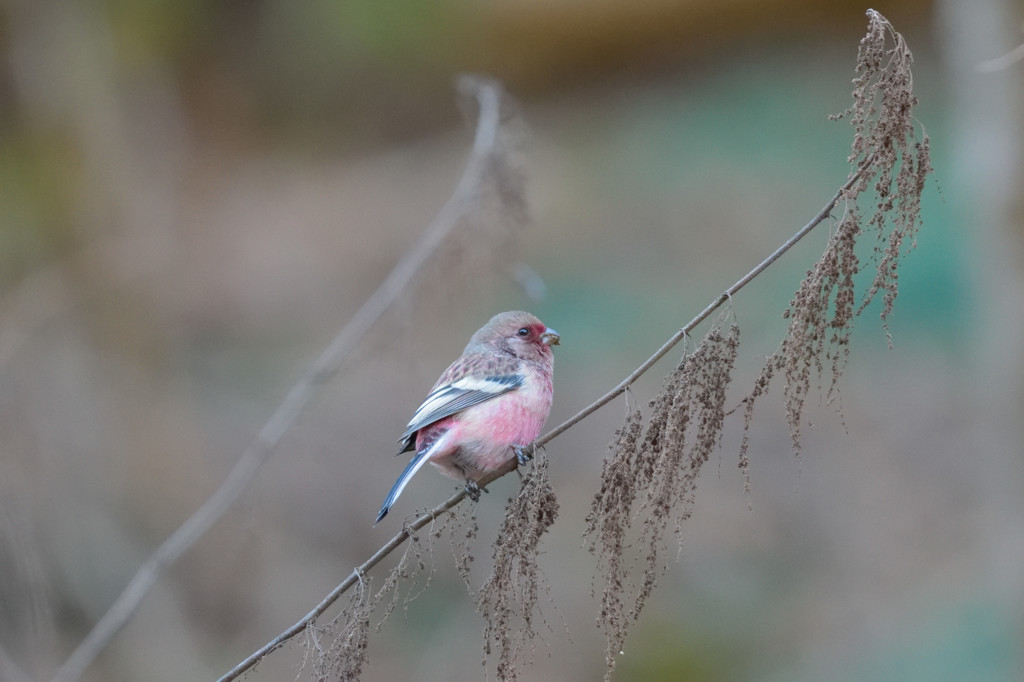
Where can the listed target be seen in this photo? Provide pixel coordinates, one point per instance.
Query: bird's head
(520, 334)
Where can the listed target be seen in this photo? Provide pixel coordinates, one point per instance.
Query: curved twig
(457, 497)
(486, 143)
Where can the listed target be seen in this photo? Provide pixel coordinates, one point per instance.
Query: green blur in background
(194, 196)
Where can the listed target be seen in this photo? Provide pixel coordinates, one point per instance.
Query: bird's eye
(524, 332)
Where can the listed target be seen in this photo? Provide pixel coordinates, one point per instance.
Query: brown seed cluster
(340, 654)
(508, 599)
(895, 165)
(490, 219)
(885, 138)
(650, 476)
(650, 480)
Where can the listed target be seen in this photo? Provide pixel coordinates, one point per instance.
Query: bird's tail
(411, 468)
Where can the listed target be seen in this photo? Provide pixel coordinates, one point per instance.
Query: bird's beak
(550, 337)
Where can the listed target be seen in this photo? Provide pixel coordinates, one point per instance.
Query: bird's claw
(522, 456)
(474, 490)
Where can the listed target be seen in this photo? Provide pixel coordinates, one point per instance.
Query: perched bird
(488, 404)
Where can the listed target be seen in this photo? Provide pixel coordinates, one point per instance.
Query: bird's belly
(481, 436)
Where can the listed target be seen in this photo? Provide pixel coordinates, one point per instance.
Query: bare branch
(351, 580)
(488, 95)
(648, 478)
(704, 314)
(457, 497)
(884, 134)
(1002, 62)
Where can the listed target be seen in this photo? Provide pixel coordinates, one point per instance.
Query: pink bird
(486, 406)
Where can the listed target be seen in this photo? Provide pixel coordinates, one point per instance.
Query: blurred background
(195, 195)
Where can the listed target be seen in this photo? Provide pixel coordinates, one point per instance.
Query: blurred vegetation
(194, 196)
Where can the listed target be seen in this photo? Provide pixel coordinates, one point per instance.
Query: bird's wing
(450, 398)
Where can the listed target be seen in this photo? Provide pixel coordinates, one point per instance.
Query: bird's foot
(474, 490)
(522, 456)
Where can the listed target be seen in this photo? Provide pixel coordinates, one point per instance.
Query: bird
(489, 403)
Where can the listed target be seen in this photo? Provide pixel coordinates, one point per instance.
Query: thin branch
(485, 145)
(457, 497)
(1002, 62)
(351, 580)
(704, 314)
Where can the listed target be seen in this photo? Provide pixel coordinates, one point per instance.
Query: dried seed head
(508, 599)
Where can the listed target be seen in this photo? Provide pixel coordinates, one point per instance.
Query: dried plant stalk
(487, 206)
(651, 475)
(885, 131)
(892, 162)
(653, 479)
(348, 650)
(508, 599)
